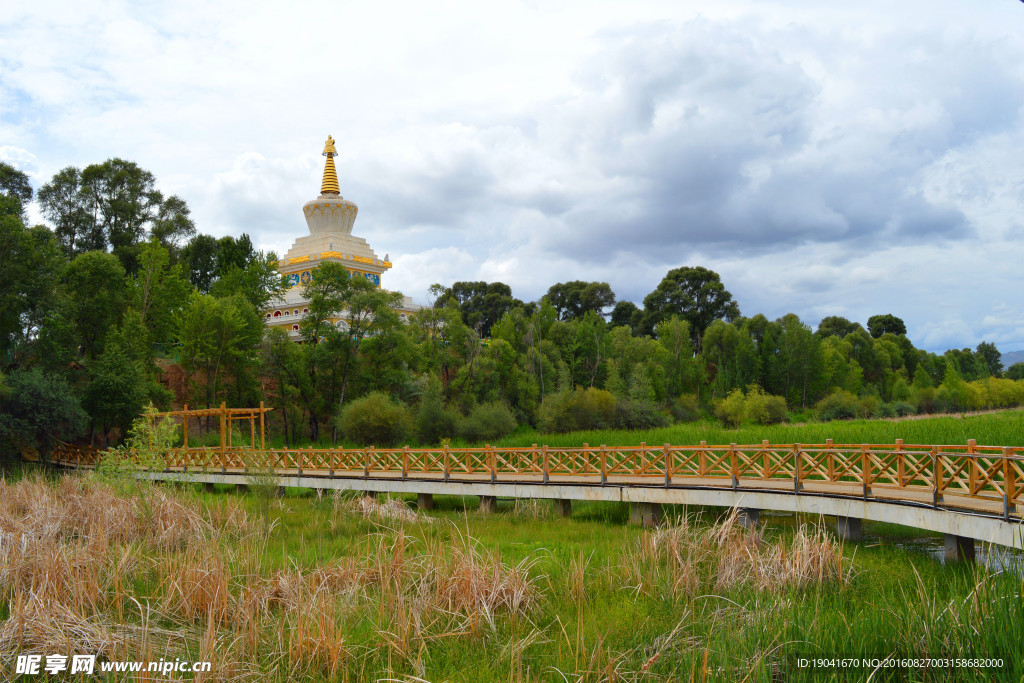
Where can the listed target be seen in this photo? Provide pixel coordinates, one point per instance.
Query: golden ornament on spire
(330, 184)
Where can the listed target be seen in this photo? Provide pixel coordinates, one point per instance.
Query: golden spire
(330, 184)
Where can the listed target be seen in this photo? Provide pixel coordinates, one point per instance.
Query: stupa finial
(330, 184)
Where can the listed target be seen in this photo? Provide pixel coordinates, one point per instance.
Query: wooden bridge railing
(984, 478)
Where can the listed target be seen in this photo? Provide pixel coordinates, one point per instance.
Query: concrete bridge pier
(425, 501)
(210, 487)
(959, 548)
(645, 514)
(488, 504)
(849, 528)
(563, 507)
(748, 518)
(371, 494)
(241, 488)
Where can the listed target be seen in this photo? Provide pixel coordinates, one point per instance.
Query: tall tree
(992, 358)
(573, 299)
(886, 322)
(481, 303)
(14, 183)
(695, 294)
(836, 325)
(94, 297)
(30, 265)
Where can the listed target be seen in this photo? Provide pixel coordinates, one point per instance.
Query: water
(994, 557)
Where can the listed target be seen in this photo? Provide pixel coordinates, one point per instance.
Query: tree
(1015, 371)
(115, 394)
(173, 224)
(992, 358)
(94, 297)
(68, 208)
(158, 291)
(626, 314)
(14, 183)
(30, 265)
(880, 324)
(836, 325)
(37, 409)
(481, 303)
(259, 282)
(694, 294)
(573, 299)
(200, 259)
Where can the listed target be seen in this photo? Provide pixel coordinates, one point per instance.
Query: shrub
(685, 408)
(885, 410)
(902, 408)
(730, 410)
(762, 408)
(567, 410)
(375, 420)
(839, 405)
(632, 414)
(488, 422)
(433, 420)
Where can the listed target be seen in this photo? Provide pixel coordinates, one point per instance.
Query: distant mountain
(1013, 357)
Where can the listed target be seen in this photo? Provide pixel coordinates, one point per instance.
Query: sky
(824, 158)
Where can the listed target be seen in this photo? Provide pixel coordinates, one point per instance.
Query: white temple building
(330, 218)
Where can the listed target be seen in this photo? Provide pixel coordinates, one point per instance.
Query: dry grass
(683, 559)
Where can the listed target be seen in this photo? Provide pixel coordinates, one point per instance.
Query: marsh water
(876, 534)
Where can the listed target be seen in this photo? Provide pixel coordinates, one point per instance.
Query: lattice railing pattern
(940, 474)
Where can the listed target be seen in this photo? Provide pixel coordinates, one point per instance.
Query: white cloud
(825, 159)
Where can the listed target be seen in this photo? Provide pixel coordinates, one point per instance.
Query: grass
(324, 587)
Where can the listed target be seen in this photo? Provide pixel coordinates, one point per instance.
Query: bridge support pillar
(959, 548)
(241, 488)
(425, 501)
(850, 528)
(563, 507)
(371, 494)
(748, 517)
(210, 487)
(488, 504)
(280, 491)
(645, 514)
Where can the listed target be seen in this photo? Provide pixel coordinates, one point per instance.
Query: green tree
(158, 290)
(694, 294)
(200, 259)
(991, 357)
(116, 393)
(14, 183)
(481, 303)
(30, 267)
(835, 325)
(573, 299)
(94, 298)
(626, 314)
(36, 410)
(880, 324)
(259, 282)
(66, 205)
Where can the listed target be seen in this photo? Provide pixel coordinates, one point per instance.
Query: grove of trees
(100, 305)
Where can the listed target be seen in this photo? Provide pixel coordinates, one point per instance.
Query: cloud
(825, 159)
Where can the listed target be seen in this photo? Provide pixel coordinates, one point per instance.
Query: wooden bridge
(967, 492)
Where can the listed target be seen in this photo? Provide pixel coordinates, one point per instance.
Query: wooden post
(263, 441)
(185, 426)
(734, 466)
(1009, 484)
(447, 462)
(972, 477)
(546, 471)
(703, 459)
(937, 476)
(831, 460)
(603, 463)
(668, 464)
(405, 462)
(223, 417)
(491, 462)
(865, 469)
(796, 468)
(901, 464)
(766, 473)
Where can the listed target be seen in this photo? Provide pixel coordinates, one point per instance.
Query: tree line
(99, 308)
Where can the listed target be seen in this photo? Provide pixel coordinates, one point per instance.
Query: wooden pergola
(227, 416)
